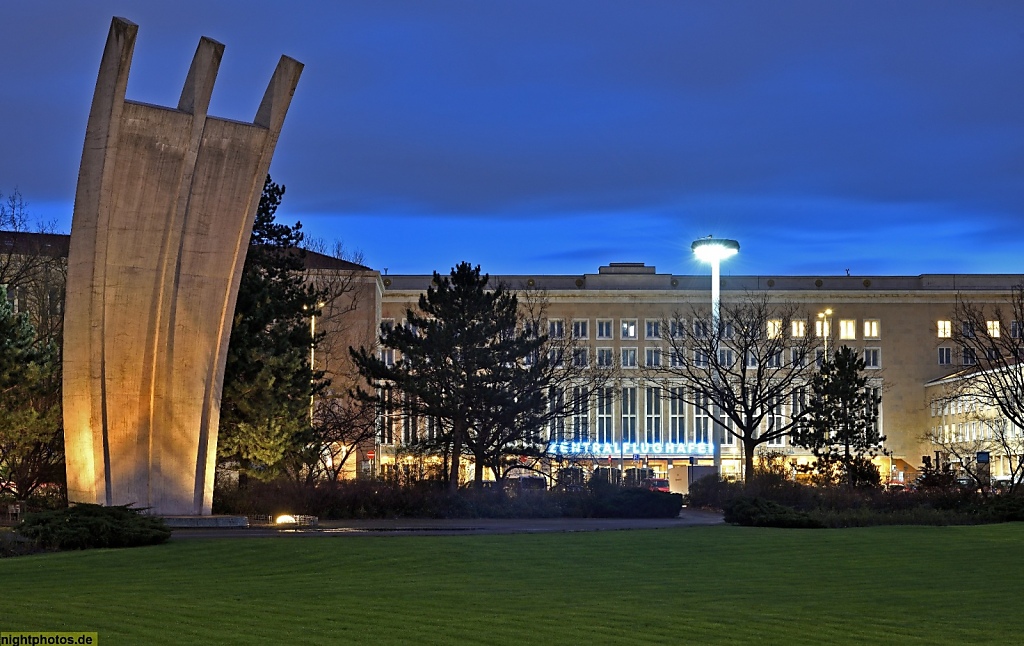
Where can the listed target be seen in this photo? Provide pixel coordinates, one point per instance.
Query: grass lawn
(883, 585)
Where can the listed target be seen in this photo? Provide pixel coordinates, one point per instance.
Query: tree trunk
(478, 472)
(748, 458)
(453, 476)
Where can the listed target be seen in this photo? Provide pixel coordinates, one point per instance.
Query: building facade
(899, 324)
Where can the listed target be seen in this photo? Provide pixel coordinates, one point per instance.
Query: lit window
(798, 329)
(653, 356)
(652, 416)
(605, 399)
(580, 329)
(774, 328)
(848, 329)
(945, 329)
(822, 328)
(604, 328)
(580, 413)
(629, 357)
(604, 357)
(653, 329)
(871, 329)
(676, 415)
(701, 420)
(945, 356)
(872, 358)
(627, 329)
(629, 414)
(556, 328)
(993, 328)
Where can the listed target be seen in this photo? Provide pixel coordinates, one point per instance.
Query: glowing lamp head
(712, 250)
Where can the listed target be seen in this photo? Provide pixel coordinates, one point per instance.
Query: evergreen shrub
(85, 526)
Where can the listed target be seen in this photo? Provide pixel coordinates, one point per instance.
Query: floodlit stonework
(163, 213)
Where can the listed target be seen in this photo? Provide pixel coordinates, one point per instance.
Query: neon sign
(629, 448)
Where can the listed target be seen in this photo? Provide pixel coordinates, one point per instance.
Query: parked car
(655, 484)
(524, 485)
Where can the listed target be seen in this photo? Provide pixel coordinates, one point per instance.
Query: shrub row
(773, 503)
(379, 499)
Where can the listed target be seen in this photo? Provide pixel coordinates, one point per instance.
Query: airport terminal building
(901, 325)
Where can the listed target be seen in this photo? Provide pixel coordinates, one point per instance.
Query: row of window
(969, 356)
(653, 358)
(629, 329)
(612, 415)
(976, 430)
(629, 358)
(608, 415)
(993, 328)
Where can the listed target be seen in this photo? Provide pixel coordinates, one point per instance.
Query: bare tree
(756, 363)
(989, 339)
(969, 426)
(33, 266)
(340, 422)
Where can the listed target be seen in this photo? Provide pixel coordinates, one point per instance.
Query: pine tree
(31, 428)
(463, 362)
(841, 425)
(268, 380)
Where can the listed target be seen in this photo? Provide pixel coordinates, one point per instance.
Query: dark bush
(713, 493)
(637, 503)
(1007, 508)
(84, 526)
(11, 544)
(379, 499)
(759, 512)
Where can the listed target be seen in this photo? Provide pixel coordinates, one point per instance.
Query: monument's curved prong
(163, 214)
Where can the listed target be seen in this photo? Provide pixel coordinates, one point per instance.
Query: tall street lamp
(713, 251)
(826, 328)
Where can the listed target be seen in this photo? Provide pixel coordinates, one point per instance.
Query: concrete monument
(163, 213)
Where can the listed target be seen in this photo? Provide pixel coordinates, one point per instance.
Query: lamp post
(713, 251)
(826, 328)
(312, 354)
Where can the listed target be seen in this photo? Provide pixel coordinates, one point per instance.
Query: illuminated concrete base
(163, 214)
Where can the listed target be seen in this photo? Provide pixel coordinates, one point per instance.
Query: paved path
(460, 526)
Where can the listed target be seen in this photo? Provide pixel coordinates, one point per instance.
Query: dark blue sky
(556, 136)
